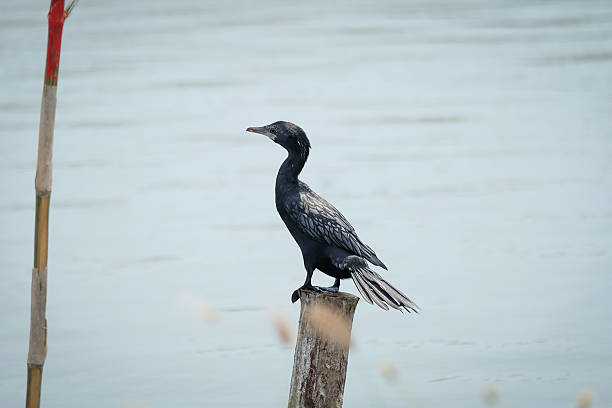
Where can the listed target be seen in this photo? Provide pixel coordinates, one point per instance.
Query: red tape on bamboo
(56, 17)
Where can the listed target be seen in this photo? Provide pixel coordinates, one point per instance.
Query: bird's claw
(296, 293)
(330, 289)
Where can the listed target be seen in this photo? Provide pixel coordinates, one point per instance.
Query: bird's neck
(291, 167)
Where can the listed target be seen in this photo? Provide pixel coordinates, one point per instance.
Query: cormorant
(327, 240)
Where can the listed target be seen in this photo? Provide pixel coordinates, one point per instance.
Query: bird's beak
(261, 131)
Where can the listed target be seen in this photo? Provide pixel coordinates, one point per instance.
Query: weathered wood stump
(321, 349)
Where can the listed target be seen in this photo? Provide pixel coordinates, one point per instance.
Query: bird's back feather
(323, 222)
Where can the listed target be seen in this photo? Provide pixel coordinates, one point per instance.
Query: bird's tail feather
(375, 289)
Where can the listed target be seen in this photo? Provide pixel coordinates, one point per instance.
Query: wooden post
(38, 320)
(321, 349)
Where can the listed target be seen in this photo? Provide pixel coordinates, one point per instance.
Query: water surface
(468, 142)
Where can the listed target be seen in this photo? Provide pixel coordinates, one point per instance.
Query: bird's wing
(323, 222)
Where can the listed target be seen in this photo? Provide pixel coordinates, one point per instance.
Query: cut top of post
(344, 301)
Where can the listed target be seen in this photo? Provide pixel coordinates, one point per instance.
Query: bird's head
(286, 134)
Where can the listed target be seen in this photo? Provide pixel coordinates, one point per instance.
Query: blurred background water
(470, 143)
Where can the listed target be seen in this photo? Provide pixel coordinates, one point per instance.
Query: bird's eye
(272, 131)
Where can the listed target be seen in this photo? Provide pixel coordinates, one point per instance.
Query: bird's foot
(329, 289)
(296, 293)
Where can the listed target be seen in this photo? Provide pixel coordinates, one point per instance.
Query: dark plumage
(327, 240)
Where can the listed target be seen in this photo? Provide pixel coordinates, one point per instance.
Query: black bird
(327, 240)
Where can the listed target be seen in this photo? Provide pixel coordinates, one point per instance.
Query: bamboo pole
(321, 349)
(38, 321)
